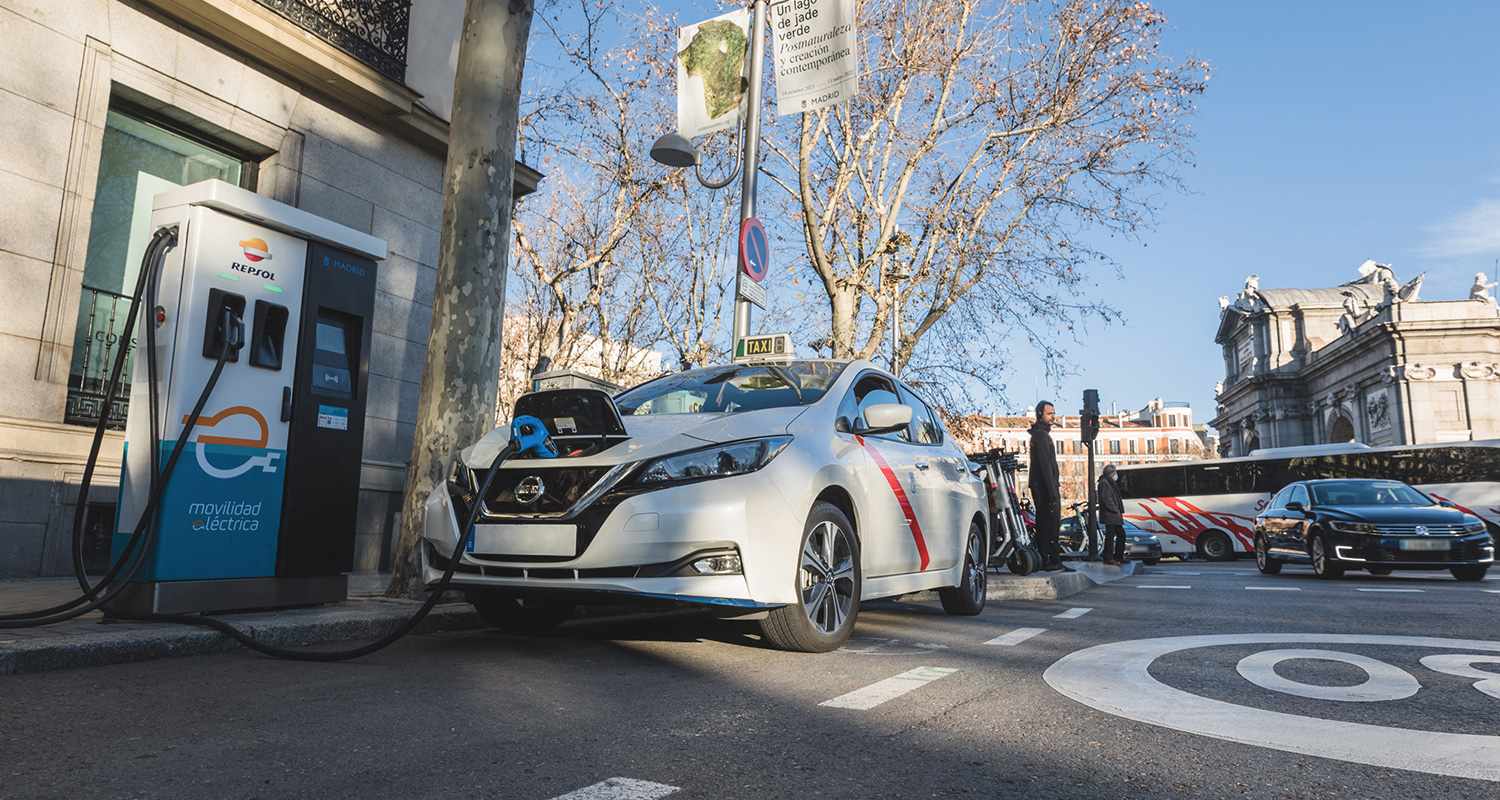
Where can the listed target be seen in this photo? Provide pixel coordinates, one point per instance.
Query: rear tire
(1263, 560)
(510, 614)
(827, 582)
(1469, 574)
(1215, 546)
(967, 598)
(1322, 561)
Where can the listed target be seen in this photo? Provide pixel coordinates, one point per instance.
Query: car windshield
(1367, 493)
(726, 390)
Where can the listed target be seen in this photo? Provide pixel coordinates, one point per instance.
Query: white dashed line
(1162, 586)
(1175, 572)
(888, 689)
(1491, 591)
(1273, 588)
(620, 789)
(1072, 613)
(1390, 590)
(1016, 636)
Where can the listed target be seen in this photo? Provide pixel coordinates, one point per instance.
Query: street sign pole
(750, 161)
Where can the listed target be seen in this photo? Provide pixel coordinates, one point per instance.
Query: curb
(132, 642)
(1045, 586)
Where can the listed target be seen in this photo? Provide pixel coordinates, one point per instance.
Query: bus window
(1153, 482)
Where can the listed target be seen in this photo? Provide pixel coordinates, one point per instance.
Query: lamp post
(674, 150)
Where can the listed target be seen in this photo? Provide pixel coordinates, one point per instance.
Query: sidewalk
(89, 641)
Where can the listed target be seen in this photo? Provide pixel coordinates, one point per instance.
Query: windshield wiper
(787, 378)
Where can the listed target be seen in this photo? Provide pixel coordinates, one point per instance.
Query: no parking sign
(755, 250)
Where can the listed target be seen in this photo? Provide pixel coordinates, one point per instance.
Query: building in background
(1367, 361)
(1160, 431)
(338, 107)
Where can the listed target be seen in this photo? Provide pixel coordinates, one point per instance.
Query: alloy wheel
(1260, 553)
(974, 566)
(1319, 557)
(827, 577)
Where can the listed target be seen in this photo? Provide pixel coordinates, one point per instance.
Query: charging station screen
(330, 338)
(331, 373)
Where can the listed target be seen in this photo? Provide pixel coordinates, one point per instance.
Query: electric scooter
(1011, 544)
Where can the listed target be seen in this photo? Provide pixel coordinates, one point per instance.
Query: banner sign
(816, 54)
(712, 72)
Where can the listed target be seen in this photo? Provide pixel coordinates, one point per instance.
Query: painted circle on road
(1382, 681)
(1116, 679)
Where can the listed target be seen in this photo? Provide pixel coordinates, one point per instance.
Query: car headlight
(461, 481)
(1353, 527)
(719, 461)
(1474, 525)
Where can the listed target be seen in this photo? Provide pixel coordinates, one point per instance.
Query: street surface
(918, 705)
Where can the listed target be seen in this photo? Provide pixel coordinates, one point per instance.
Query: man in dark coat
(1112, 515)
(1045, 491)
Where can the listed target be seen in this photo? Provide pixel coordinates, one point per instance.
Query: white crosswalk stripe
(620, 789)
(1072, 613)
(1273, 588)
(1016, 636)
(1162, 586)
(888, 689)
(1390, 590)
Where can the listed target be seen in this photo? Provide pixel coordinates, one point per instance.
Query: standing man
(1045, 492)
(1112, 516)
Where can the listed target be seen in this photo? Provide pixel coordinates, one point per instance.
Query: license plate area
(525, 540)
(1424, 544)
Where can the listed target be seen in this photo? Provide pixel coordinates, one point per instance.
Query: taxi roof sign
(770, 347)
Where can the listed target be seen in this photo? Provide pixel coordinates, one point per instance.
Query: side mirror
(885, 418)
(1295, 505)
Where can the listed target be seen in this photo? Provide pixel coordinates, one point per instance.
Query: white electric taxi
(788, 492)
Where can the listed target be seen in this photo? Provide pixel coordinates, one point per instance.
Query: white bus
(1208, 508)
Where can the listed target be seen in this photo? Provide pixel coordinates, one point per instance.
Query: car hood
(652, 436)
(1408, 515)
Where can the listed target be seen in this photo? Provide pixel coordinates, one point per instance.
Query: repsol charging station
(259, 511)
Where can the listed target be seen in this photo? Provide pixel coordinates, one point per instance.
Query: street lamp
(675, 151)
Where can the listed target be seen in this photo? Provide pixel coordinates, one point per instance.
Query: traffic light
(1090, 418)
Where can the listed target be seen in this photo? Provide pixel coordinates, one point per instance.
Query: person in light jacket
(1111, 515)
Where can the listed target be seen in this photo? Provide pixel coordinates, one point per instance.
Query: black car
(1374, 525)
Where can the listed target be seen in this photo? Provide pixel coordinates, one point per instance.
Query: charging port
(269, 337)
(221, 303)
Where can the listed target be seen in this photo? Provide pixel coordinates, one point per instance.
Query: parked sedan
(1374, 525)
(1140, 545)
(786, 491)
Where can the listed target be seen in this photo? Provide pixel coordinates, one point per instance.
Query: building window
(1175, 446)
(138, 160)
(1132, 447)
(1151, 446)
(1114, 446)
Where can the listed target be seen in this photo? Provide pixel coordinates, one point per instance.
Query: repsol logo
(255, 272)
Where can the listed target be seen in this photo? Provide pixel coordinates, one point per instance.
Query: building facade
(1368, 361)
(338, 107)
(1159, 432)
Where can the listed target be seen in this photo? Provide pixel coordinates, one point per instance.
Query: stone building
(1158, 432)
(338, 107)
(1367, 361)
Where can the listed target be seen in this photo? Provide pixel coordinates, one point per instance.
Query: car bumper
(642, 547)
(1389, 551)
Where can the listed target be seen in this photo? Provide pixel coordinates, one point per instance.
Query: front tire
(1322, 562)
(1024, 561)
(512, 615)
(967, 598)
(1263, 560)
(828, 586)
(1470, 573)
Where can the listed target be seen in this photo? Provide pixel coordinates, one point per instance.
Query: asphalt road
(918, 705)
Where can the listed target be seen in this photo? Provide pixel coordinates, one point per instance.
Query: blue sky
(1331, 132)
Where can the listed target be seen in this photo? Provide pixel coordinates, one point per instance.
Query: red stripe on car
(906, 509)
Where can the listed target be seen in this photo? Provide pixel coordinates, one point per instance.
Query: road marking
(1162, 586)
(1175, 572)
(1115, 678)
(1491, 591)
(1016, 636)
(620, 789)
(1273, 588)
(1383, 682)
(1072, 613)
(1390, 590)
(888, 689)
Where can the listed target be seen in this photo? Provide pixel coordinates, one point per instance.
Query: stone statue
(1411, 289)
(1374, 272)
(1223, 304)
(1249, 297)
(1218, 388)
(1480, 290)
(1349, 320)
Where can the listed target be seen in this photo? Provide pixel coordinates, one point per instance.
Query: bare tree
(463, 354)
(989, 138)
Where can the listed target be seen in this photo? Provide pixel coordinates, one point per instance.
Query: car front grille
(564, 487)
(1429, 530)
